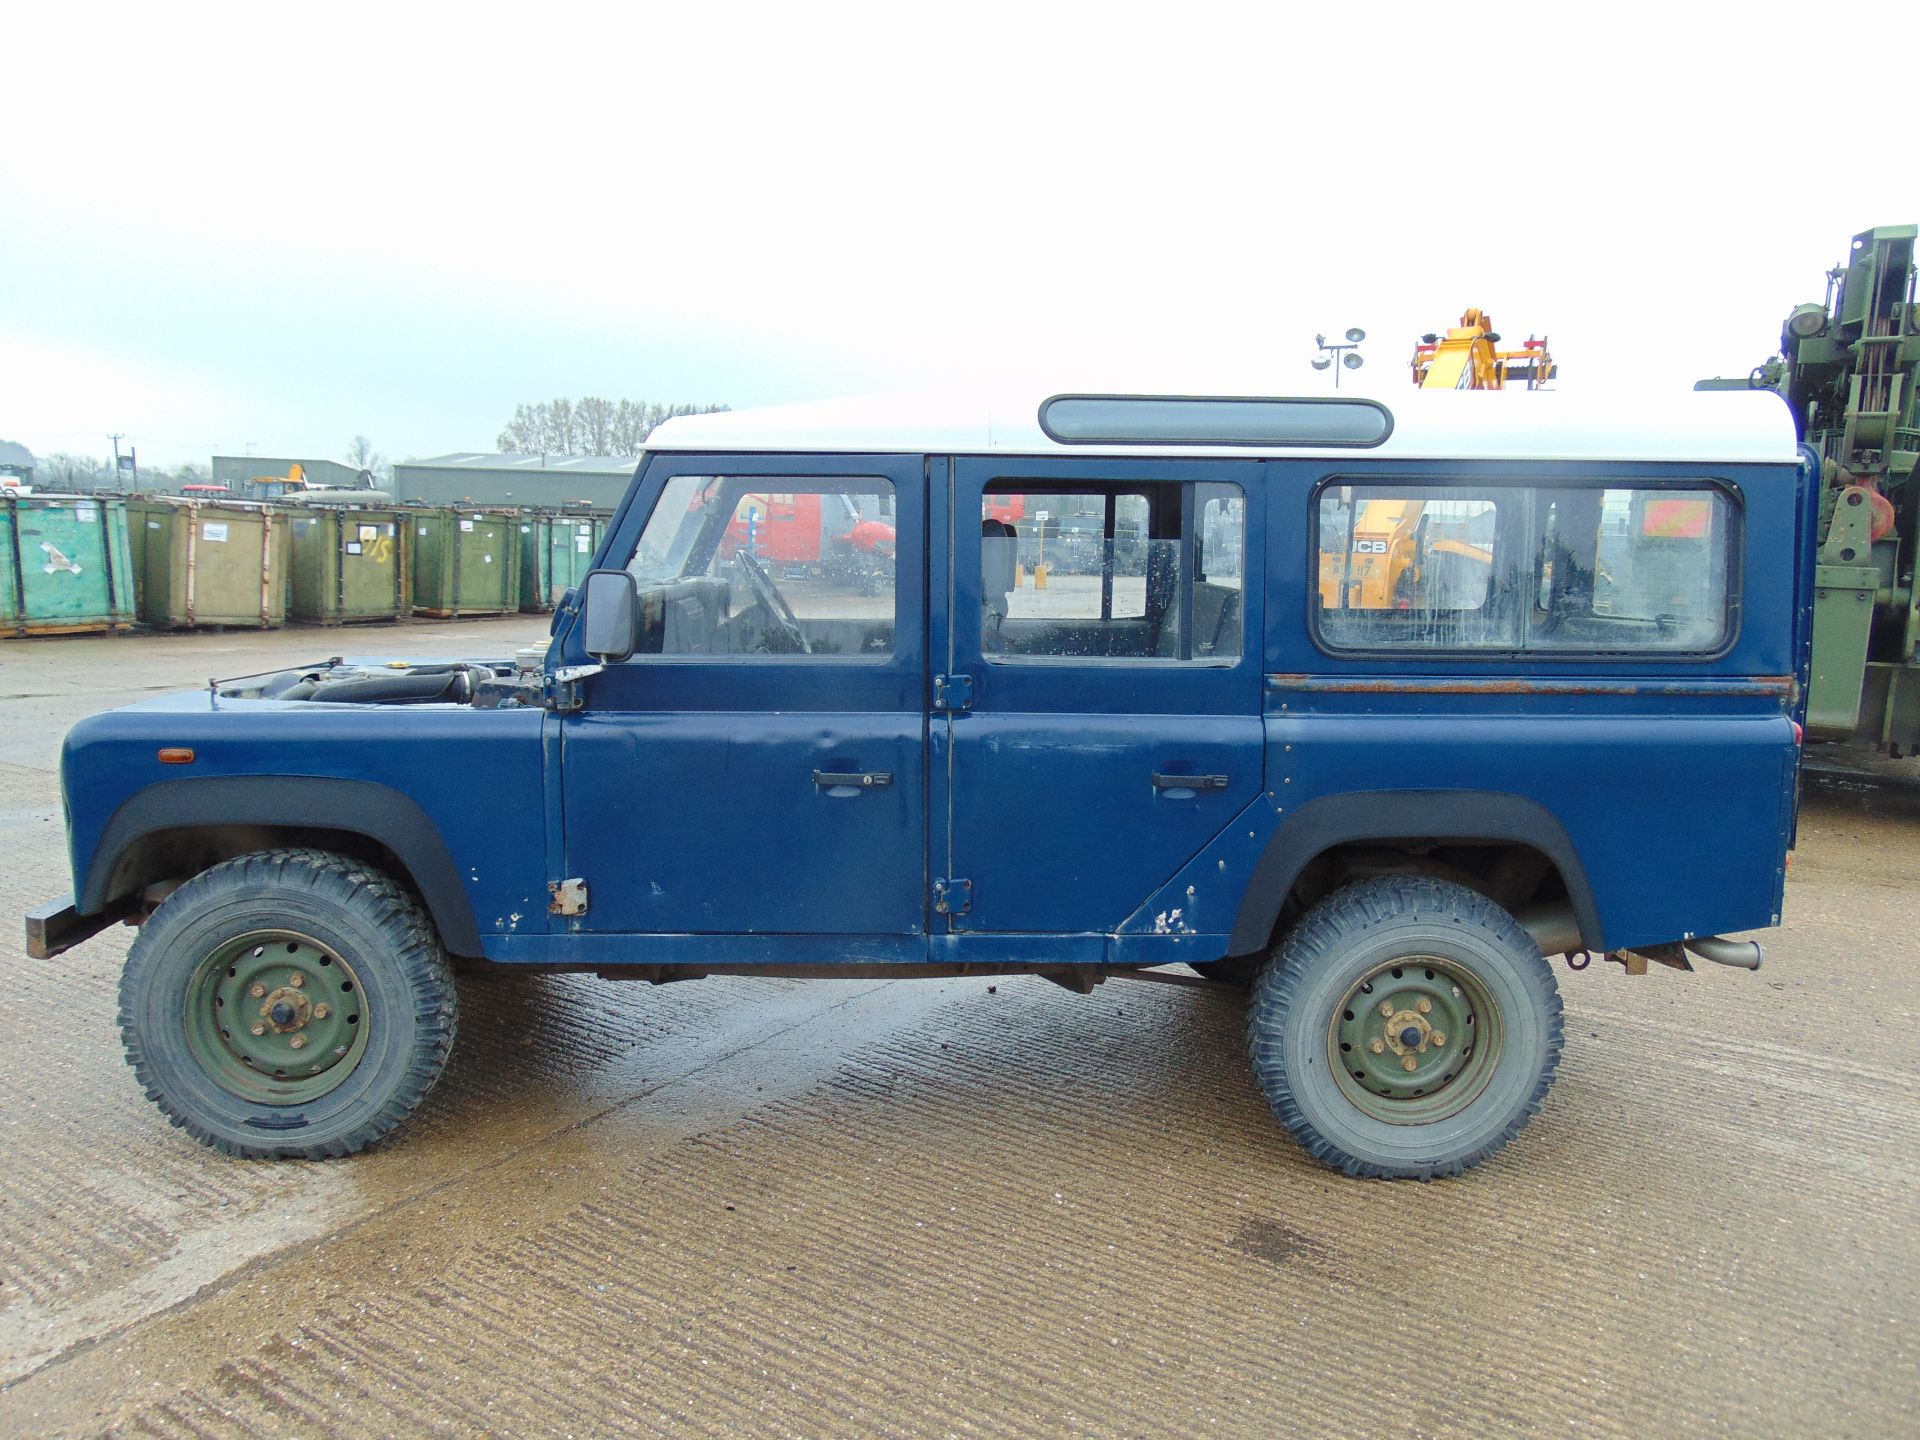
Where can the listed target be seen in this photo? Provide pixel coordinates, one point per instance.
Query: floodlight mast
(1347, 356)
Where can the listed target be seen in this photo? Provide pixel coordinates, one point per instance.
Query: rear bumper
(56, 927)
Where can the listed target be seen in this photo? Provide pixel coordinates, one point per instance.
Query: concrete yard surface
(959, 1207)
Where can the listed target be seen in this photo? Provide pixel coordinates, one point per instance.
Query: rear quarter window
(1569, 569)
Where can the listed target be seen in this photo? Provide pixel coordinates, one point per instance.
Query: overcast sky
(276, 227)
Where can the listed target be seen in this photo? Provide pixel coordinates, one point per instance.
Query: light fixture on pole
(1337, 357)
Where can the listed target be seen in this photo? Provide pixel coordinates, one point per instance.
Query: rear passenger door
(1102, 708)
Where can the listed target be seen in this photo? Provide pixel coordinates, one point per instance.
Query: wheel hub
(276, 1017)
(1409, 1040)
(287, 1009)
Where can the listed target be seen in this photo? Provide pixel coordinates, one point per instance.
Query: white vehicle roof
(1714, 426)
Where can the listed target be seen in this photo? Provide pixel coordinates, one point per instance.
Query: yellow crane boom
(1469, 357)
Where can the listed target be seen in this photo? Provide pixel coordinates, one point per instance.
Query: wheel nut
(299, 1042)
(1377, 1046)
(1409, 1063)
(258, 991)
(259, 1029)
(1386, 1007)
(1426, 1006)
(298, 980)
(320, 1012)
(1439, 1038)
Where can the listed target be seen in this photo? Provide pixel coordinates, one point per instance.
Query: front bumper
(56, 927)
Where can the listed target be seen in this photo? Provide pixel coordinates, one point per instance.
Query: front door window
(767, 565)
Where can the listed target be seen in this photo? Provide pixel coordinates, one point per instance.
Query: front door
(758, 768)
(1099, 611)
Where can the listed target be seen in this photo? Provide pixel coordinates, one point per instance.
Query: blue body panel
(688, 781)
(1054, 816)
(683, 790)
(476, 774)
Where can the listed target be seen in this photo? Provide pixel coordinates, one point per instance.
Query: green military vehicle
(1848, 368)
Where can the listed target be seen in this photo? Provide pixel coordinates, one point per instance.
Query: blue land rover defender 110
(1368, 709)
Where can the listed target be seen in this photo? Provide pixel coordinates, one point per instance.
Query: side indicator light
(1799, 733)
(176, 755)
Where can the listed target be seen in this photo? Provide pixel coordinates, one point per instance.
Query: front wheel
(291, 1003)
(1405, 1028)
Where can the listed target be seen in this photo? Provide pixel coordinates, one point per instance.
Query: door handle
(864, 779)
(1189, 782)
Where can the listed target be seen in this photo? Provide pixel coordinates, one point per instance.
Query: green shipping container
(65, 566)
(556, 551)
(464, 562)
(348, 564)
(209, 562)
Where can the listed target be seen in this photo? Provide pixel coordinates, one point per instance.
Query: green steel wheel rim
(276, 1017)
(1415, 1040)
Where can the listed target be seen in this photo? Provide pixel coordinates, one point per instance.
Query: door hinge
(952, 897)
(569, 897)
(953, 692)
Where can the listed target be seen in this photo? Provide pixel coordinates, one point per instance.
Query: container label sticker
(465, 525)
(88, 513)
(526, 529)
(153, 524)
(214, 530)
(56, 561)
(369, 532)
(487, 558)
(353, 547)
(423, 531)
(583, 543)
(389, 530)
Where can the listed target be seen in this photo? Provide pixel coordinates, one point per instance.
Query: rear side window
(1616, 569)
(1143, 573)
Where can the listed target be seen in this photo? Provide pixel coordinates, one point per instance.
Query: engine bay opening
(482, 684)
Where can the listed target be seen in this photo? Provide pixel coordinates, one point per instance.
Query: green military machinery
(1848, 369)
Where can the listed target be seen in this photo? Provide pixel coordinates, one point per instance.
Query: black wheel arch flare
(1443, 815)
(310, 802)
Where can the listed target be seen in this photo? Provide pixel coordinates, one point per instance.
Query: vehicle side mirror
(610, 614)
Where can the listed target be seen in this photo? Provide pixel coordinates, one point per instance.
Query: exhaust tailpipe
(1741, 954)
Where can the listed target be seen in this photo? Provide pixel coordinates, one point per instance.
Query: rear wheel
(292, 1003)
(1406, 1027)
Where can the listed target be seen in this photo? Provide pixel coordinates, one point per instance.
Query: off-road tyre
(1410, 939)
(367, 956)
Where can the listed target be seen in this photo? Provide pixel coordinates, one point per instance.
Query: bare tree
(563, 430)
(592, 427)
(593, 418)
(362, 456)
(61, 471)
(629, 428)
(522, 435)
